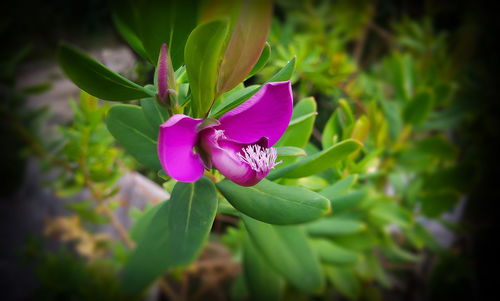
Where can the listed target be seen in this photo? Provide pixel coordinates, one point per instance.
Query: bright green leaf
(290, 151)
(331, 253)
(300, 128)
(340, 187)
(264, 57)
(202, 52)
(285, 73)
(318, 162)
(391, 213)
(233, 100)
(334, 226)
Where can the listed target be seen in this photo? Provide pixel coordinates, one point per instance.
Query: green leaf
(290, 151)
(318, 162)
(347, 201)
(154, 113)
(391, 213)
(263, 282)
(95, 78)
(349, 116)
(339, 188)
(361, 129)
(344, 280)
(175, 235)
(420, 237)
(374, 265)
(264, 57)
(334, 226)
(331, 253)
(418, 109)
(167, 22)
(400, 69)
(287, 250)
(202, 52)
(285, 73)
(435, 203)
(394, 252)
(393, 117)
(300, 128)
(140, 227)
(233, 100)
(131, 129)
(360, 241)
(314, 182)
(247, 41)
(332, 130)
(274, 203)
(129, 35)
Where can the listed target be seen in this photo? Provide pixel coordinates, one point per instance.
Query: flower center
(259, 158)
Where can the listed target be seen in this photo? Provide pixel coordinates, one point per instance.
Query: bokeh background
(31, 30)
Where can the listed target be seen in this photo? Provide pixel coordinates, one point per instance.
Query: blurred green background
(343, 50)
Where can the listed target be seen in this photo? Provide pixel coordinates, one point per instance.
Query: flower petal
(176, 140)
(266, 114)
(224, 155)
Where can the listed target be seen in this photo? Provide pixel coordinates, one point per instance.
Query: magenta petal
(266, 114)
(176, 140)
(224, 155)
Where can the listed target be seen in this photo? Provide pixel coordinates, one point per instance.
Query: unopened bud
(165, 77)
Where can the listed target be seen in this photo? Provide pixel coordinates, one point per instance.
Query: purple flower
(239, 144)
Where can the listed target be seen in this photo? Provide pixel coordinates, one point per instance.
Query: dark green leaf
(344, 279)
(167, 22)
(154, 113)
(418, 109)
(287, 250)
(141, 225)
(129, 35)
(175, 235)
(435, 203)
(131, 129)
(263, 282)
(95, 78)
(274, 203)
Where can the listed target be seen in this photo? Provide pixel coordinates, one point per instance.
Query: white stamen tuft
(259, 158)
